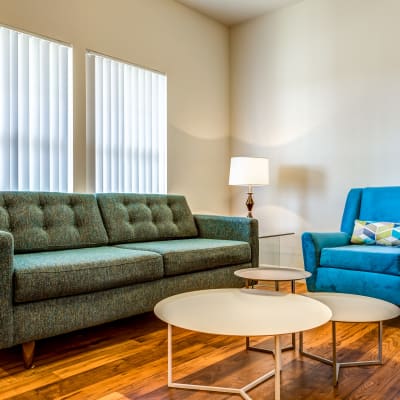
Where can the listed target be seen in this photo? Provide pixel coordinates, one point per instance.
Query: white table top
(242, 312)
(272, 273)
(355, 308)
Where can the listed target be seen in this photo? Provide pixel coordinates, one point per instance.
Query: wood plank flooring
(128, 360)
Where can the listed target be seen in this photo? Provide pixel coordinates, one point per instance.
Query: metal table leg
(277, 368)
(239, 391)
(337, 365)
(292, 346)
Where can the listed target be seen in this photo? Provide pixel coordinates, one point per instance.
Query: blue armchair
(337, 265)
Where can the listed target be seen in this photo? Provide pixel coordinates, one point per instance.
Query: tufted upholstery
(143, 217)
(42, 221)
(69, 274)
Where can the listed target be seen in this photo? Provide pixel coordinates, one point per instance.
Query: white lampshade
(249, 171)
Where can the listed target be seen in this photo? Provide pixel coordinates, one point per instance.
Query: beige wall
(316, 88)
(166, 36)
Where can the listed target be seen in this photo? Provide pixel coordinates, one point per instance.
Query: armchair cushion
(380, 259)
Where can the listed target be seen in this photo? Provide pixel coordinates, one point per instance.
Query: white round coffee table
(352, 308)
(276, 274)
(240, 312)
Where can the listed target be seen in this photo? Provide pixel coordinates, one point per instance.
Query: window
(127, 118)
(35, 113)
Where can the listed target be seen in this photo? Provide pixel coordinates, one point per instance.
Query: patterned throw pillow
(371, 232)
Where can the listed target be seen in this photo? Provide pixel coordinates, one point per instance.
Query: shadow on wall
(198, 168)
(301, 178)
(298, 182)
(287, 203)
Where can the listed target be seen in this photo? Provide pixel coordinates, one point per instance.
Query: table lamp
(249, 171)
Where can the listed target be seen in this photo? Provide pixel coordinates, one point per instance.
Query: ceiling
(231, 12)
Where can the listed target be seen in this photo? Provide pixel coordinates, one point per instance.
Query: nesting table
(272, 273)
(240, 312)
(276, 274)
(351, 308)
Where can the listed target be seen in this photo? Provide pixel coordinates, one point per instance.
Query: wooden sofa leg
(28, 351)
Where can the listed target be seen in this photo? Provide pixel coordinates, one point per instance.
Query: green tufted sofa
(71, 261)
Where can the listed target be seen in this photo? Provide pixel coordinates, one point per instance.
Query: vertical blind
(127, 106)
(35, 113)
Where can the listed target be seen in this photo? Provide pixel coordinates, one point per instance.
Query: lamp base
(249, 204)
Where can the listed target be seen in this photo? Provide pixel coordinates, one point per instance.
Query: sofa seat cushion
(380, 259)
(52, 274)
(187, 255)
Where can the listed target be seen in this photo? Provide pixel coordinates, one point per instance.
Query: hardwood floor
(128, 360)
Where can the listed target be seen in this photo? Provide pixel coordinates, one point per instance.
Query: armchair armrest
(313, 243)
(230, 228)
(6, 267)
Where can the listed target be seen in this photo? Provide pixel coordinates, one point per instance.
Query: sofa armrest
(6, 267)
(230, 228)
(313, 243)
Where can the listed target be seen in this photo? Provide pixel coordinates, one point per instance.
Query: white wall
(316, 89)
(166, 36)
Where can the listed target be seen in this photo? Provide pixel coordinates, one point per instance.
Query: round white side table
(276, 274)
(351, 308)
(272, 273)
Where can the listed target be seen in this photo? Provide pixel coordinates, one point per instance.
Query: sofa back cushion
(371, 204)
(130, 217)
(42, 221)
